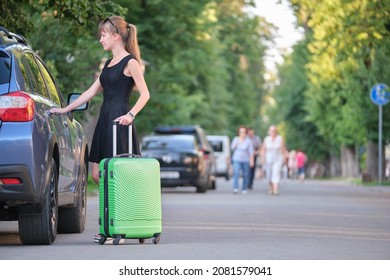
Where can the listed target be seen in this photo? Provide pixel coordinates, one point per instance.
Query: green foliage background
(205, 65)
(204, 58)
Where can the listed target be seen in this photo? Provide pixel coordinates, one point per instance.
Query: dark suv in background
(205, 149)
(181, 161)
(43, 158)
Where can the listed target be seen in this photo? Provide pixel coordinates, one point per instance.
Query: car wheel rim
(53, 200)
(83, 193)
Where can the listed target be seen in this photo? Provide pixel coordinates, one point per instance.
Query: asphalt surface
(310, 220)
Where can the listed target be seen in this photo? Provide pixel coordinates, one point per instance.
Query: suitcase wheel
(156, 239)
(100, 238)
(116, 240)
(141, 240)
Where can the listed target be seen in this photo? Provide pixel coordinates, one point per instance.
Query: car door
(66, 131)
(58, 124)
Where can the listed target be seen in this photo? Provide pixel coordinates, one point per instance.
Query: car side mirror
(72, 97)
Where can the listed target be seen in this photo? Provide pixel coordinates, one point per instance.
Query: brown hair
(242, 127)
(127, 31)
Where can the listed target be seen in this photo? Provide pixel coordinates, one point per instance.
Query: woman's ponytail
(132, 42)
(127, 31)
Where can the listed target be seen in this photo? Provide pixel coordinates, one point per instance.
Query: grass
(375, 184)
(92, 187)
(358, 181)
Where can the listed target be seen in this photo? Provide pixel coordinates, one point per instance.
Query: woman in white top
(273, 155)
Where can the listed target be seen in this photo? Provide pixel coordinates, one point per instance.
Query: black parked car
(43, 158)
(182, 161)
(202, 142)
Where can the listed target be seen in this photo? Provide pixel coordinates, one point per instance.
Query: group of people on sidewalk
(247, 147)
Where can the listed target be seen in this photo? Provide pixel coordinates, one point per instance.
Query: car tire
(72, 219)
(202, 188)
(41, 229)
(213, 184)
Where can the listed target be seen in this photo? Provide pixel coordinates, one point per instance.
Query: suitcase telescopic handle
(128, 155)
(114, 138)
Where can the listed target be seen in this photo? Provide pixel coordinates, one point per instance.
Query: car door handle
(50, 114)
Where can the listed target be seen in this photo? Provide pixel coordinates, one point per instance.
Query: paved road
(313, 220)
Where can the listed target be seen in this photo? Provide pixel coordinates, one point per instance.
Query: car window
(50, 84)
(195, 131)
(167, 143)
(40, 85)
(29, 82)
(217, 145)
(5, 72)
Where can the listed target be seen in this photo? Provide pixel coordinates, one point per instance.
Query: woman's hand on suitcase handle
(125, 119)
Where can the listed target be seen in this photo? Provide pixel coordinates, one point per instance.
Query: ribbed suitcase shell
(129, 197)
(133, 204)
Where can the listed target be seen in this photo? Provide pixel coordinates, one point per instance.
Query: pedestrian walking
(273, 155)
(243, 158)
(120, 75)
(256, 143)
(292, 164)
(301, 160)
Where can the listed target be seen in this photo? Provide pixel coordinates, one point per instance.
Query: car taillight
(16, 107)
(10, 181)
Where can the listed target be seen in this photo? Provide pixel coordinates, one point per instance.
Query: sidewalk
(341, 182)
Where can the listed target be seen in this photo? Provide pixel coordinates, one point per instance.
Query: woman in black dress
(120, 75)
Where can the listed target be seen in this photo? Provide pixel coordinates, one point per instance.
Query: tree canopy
(204, 59)
(205, 65)
(346, 47)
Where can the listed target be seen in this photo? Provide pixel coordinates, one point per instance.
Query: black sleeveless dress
(117, 88)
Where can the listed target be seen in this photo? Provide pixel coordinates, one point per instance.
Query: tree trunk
(333, 168)
(372, 164)
(349, 162)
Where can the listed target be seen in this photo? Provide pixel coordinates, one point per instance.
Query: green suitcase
(129, 197)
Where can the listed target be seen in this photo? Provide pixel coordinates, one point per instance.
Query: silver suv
(43, 158)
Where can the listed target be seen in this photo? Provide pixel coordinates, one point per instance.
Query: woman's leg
(276, 173)
(301, 173)
(95, 172)
(268, 176)
(245, 175)
(236, 175)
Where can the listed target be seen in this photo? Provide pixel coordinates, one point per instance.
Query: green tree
(204, 59)
(290, 97)
(15, 15)
(244, 38)
(204, 62)
(64, 33)
(348, 38)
